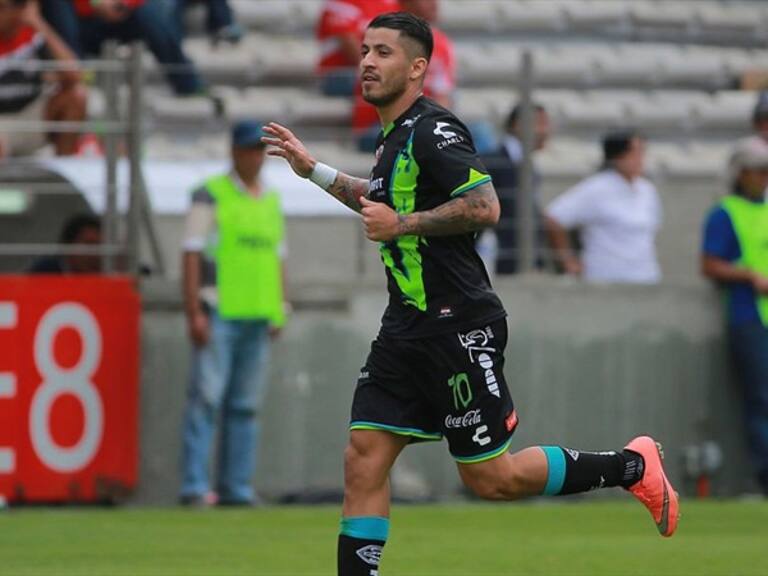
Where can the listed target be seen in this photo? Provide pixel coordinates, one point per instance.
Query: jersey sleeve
(719, 239)
(443, 148)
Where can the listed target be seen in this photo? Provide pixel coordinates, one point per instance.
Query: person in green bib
(233, 296)
(735, 255)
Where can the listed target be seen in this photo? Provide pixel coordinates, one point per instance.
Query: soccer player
(436, 367)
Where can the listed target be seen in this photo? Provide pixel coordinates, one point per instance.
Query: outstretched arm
(472, 211)
(346, 189)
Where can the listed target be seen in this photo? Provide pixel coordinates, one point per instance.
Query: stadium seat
(730, 110)
(743, 18)
(181, 110)
(678, 15)
(595, 13)
(262, 103)
(527, 15)
(469, 15)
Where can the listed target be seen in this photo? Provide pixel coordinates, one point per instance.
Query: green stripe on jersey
(402, 256)
(475, 179)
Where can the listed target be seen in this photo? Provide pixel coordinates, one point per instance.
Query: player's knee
(360, 467)
(487, 488)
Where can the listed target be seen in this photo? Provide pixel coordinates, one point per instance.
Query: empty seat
(469, 15)
(267, 104)
(728, 110)
(694, 68)
(663, 14)
(187, 109)
(530, 16)
(731, 17)
(595, 13)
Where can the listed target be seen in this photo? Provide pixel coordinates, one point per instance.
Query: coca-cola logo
(471, 418)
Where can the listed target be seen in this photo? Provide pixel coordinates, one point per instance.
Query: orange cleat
(654, 489)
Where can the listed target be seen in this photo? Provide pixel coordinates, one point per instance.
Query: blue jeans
(228, 380)
(749, 350)
(147, 22)
(220, 14)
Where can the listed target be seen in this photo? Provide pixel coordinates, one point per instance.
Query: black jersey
(436, 283)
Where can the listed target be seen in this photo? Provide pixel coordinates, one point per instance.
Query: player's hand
(199, 328)
(287, 146)
(760, 284)
(381, 223)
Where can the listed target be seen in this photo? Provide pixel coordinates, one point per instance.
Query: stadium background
(586, 363)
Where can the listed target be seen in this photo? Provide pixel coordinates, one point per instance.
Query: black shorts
(448, 385)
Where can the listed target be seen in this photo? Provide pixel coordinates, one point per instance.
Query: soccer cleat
(654, 489)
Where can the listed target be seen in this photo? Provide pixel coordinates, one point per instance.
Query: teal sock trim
(366, 527)
(556, 471)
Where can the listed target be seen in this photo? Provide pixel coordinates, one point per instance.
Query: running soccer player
(436, 367)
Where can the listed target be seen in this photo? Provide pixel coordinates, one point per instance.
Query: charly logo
(471, 418)
(440, 130)
(479, 438)
(409, 122)
(370, 554)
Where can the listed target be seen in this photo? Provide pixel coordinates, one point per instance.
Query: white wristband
(323, 175)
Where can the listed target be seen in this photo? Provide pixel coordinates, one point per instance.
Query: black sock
(358, 557)
(573, 471)
(360, 545)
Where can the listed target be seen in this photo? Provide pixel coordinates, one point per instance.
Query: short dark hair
(76, 224)
(517, 110)
(410, 26)
(617, 142)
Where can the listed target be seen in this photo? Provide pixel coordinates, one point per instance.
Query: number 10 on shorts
(462, 391)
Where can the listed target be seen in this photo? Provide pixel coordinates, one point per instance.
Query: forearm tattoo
(348, 189)
(469, 212)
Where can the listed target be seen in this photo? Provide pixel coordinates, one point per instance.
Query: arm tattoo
(348, 189)
(469, 212)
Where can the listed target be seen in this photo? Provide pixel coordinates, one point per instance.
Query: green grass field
(723, 538)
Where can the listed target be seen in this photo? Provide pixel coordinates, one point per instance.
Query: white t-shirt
(619, 221)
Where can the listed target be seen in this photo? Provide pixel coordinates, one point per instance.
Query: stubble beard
(385, 99)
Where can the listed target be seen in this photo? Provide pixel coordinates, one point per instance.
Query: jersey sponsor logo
(375, 185)
(486, 362)
(409, 122)
(479, 438)
(440, 130)
(445, 312)
(449, 136)
(511, 421)
(364, 375)
(471, 418)
(476, 343)
(370, 554)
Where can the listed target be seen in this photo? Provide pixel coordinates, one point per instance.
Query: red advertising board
(69, 388)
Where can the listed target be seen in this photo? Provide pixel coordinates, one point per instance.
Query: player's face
(385, 66)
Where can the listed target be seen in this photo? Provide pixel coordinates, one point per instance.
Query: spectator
(618, 213)
(233, 293)
(504, 167)
(734, 254)
(439, 85)
(24, 38)
(339, 33)
(760, 116)
(81, 230)
(85, 25)
(220, 23)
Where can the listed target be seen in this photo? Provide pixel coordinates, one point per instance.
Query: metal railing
(122, 232)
